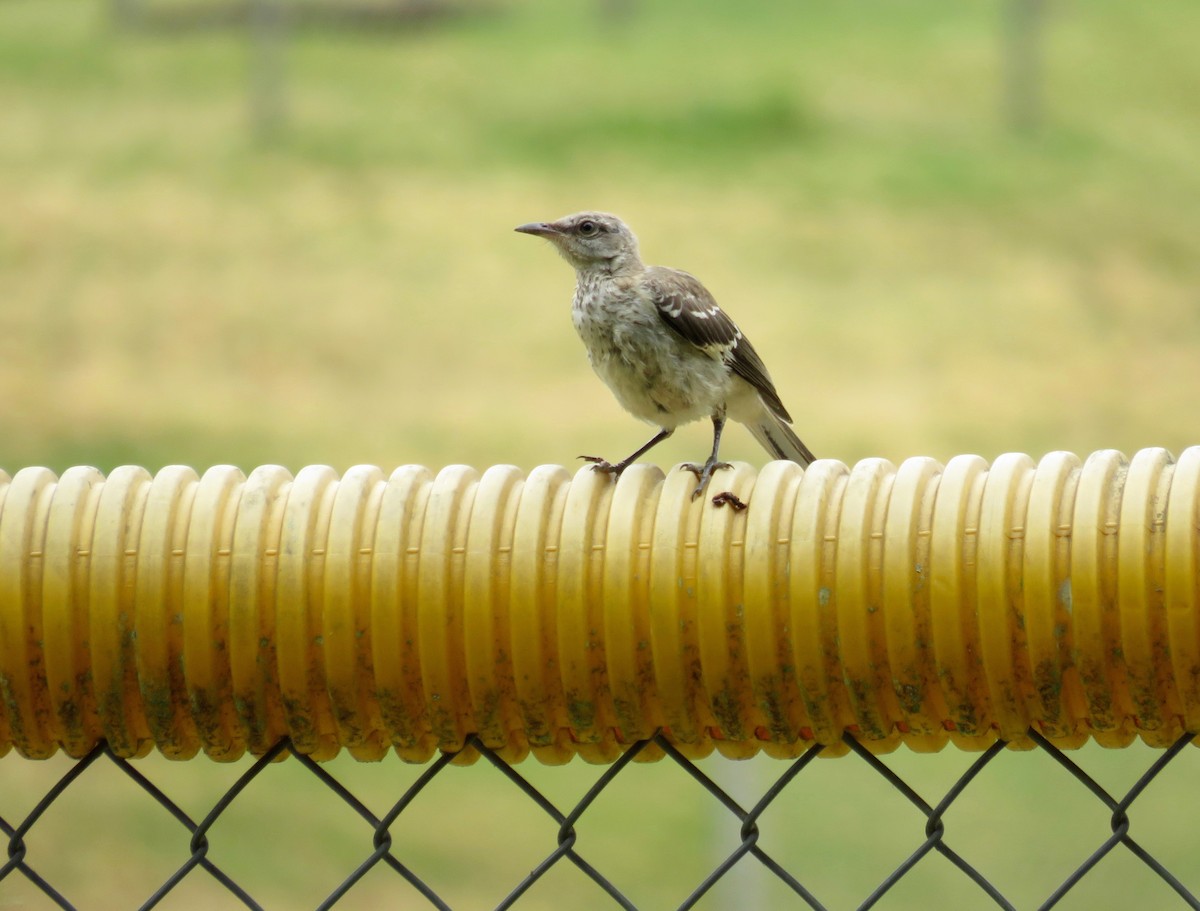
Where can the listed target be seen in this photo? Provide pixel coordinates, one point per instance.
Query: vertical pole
(744, 886)
(1023, 64)
(617, 12)
(267, 104)
(125, 12)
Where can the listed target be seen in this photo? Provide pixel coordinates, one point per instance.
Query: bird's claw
(603, 465)
(703, 473)
(729, 498)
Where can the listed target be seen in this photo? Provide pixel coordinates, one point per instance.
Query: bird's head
(590, 241)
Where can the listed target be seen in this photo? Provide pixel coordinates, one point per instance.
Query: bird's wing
(687, 307)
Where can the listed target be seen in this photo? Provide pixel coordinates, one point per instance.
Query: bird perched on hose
(662, 345)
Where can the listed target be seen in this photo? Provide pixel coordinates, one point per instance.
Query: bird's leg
(599, 464)
(705, 471)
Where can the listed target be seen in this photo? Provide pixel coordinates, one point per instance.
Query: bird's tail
(778, 439)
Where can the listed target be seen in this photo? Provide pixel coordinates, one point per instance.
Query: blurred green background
(334, 279)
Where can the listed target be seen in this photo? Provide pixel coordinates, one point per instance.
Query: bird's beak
(538, 229)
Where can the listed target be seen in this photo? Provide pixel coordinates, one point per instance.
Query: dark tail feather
(778, 439)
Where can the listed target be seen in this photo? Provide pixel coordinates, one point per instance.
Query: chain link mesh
(567, 819)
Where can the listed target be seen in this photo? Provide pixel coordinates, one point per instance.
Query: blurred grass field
(921, 280)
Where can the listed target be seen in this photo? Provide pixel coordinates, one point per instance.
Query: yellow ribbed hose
(560, 615)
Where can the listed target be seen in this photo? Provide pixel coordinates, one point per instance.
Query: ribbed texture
(563, 615)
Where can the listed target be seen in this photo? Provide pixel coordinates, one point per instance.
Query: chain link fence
(566, 825)
(488, 620)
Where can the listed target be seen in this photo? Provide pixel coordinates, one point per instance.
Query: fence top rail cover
(562, 615)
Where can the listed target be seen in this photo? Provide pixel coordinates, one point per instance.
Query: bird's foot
(703, 473)
(729, 498)
(604, 466)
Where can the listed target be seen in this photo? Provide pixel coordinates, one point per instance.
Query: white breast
(654, 373)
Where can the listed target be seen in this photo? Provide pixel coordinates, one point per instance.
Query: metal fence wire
(444, 617)
(383, 850)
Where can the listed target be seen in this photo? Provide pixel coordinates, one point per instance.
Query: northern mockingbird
(666, 350)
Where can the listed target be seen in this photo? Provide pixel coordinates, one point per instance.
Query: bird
(660, 342)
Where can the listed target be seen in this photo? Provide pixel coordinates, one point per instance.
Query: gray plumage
(663, 346)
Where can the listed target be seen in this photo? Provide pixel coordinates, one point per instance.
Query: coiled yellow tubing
(563, 615)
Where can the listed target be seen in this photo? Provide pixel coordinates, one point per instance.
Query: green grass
(180, 292)
(920, 279)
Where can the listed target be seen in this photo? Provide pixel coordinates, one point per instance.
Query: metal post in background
(1023, 26)
(617, 12)
(268, 104)
(125, 13)
(744, 886)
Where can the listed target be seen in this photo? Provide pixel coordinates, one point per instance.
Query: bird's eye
(588, 228)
